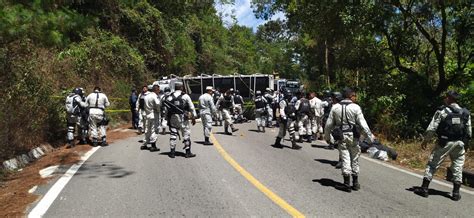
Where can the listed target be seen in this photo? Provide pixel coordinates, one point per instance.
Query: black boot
(355, 183)
(278, 143)
(140, 130)
(227, 131)
(456, 195)
(263, 129)
(234, 129)
(347, 183)
(207, 142)
(189, 154)
(95, 142)
(144, 147)
(104, 142)
(154, 148)
(423, 190)
(172, 153)
(294, 145)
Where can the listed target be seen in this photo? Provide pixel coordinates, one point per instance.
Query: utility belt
(338, 132)
(97, 108)
(443, 140)
(185, 116)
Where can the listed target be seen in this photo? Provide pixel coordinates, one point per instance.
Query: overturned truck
(195, 86)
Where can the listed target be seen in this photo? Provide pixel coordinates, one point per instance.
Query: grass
(411, 155)
(3, 175)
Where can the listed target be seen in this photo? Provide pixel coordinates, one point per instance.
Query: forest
(400, 55)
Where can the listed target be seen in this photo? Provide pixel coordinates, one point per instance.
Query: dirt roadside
(14, 195)
(412, 156)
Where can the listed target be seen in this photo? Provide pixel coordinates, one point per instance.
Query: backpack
(259, 103)
(305, 107)
(454, 126)
(238, 99)
(290, 110)
(227, 103)
(72, 107)
(141, 102)
(179, 103)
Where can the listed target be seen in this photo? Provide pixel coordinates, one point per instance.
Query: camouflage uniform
(454, 149)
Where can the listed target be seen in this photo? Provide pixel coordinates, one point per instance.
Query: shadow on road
(331, 183)
(282, 146)
(253, 130)
(105, 169)
(430, 191)
(201, 143)
(223, 133)
(324, 161)
(177, 153)
(319, 146)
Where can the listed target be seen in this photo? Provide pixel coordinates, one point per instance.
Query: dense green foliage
(401, 56)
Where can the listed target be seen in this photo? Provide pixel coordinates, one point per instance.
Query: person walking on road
(261, 111)
(316, 116)
(74, 107)
(164, 117)
(269, 97)
(141, 109)
(343, 124)
(218, 116)
(152, 114)
(207, 109)
(180, 109)
(336, 99)
(225, 105)
(303, 109)
(239, 103)
(132, 101)
(452, 125)
(288, 121)
(98, 121)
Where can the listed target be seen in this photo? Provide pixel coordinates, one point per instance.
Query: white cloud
(243, 12)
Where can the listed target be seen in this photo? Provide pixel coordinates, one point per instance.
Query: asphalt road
(123, 181)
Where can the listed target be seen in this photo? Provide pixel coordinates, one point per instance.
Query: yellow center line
(272, 196)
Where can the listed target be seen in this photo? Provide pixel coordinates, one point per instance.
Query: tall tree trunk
(329, 61)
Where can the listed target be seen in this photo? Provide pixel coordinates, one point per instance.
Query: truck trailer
(195, 86)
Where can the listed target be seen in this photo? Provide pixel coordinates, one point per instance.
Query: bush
(28, 115)
(105, 60)
(30, 112)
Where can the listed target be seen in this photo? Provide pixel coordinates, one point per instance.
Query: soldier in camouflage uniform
(452, 125)
(180, 109)
(343, 123)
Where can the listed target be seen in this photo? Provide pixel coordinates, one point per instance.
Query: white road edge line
(413, 174)
(48, 199)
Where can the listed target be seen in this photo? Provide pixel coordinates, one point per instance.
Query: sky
(244, 14)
